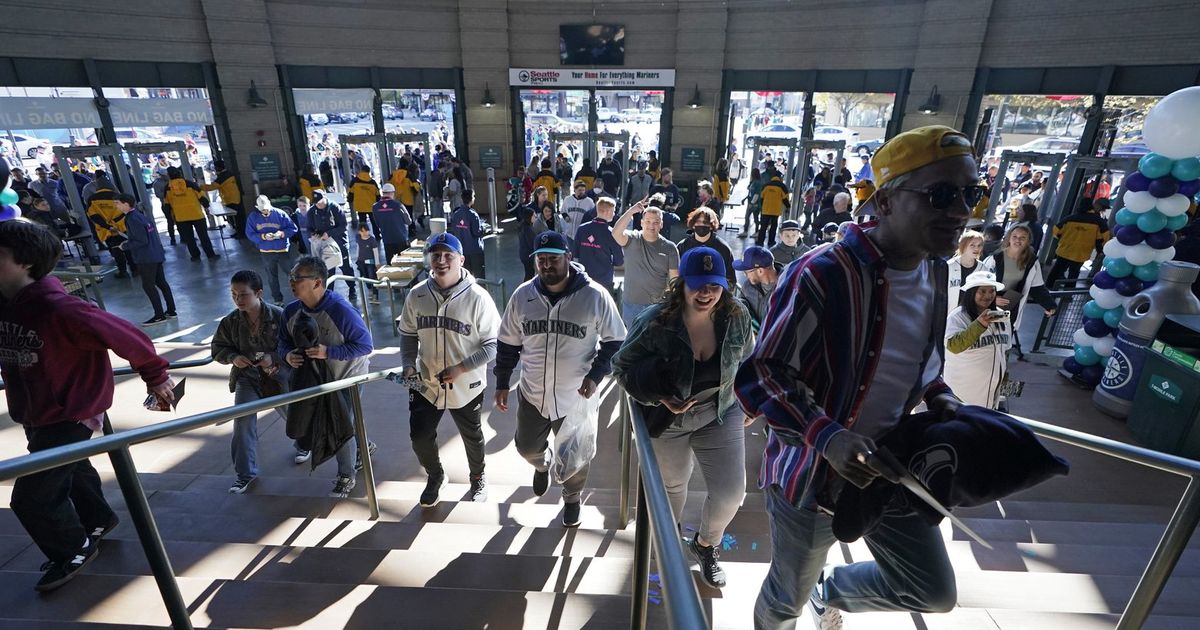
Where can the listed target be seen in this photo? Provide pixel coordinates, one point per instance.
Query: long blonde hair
(1027, 255)
(966, 238)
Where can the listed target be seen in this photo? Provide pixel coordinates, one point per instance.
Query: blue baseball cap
(703, 265)
(754, 256)
(789, 225)
(445, 239)
(550, 242)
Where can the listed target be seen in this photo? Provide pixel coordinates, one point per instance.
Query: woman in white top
(977, 342)
(1016, 267)
(970, 246)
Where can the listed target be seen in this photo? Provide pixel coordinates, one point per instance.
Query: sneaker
(541, 482)
(240, 486)
(121, 274)
(302, 456)
(571, 514)
(170, 314)
(358, 463)
(825, 617)
(100, 532)
(708, 557)
(154, 321)
(342, 487)
(433, 488)
(59, 573)
(479, 489)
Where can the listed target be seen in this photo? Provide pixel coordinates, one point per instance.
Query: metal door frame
(379, 140)
(591, 148)
(136, 150)
(1083, 167)
(1053, 160)
(791, 144)
(112, 153)
(807, 146)
(392, 139)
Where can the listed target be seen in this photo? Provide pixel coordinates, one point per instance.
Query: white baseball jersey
(449, 330)
(574, 209)
(559, 341)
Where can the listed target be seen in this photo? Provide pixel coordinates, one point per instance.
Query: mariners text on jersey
(555, 326)
(441, 321)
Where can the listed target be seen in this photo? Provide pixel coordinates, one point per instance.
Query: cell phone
(997, 312)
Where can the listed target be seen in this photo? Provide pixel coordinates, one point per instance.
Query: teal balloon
(1186, 170)
(1176, 223)
(1147, 272)
(1093, 310)
(1151, 222)
(1117, 267)
(1085, 355)
(1153, 165)
(1125, 216)
(8, 197)
(1112, 317)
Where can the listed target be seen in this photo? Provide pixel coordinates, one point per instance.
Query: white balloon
(1140, 254)
(1172, 127)
(1082, 338)
(1139, 202)
(1106, 298)
(1174, 205)
(1163, 255)
(1104, 345)
(1115, 248)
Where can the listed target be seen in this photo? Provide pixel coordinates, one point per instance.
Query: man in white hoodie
(563, 328)
(574, 210)
(447, 338)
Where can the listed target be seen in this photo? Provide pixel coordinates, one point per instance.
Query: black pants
(121, 259)
(527, 264)
(767, 226)
(364, 216)
(423, 420)
(153, 281)
(1062, 268)
(58, 507)
(189, 230)
(239, 219)
(390, 250)
(367, 270)
(170, 222)
(475, 264)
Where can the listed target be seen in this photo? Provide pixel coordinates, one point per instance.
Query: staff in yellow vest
(231, 196)
(406, 187)
(109, 223)
(188, 203)
(362, 195)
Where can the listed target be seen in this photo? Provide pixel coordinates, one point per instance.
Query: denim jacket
(649, 340)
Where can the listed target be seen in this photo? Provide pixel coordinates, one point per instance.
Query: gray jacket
(235, 337)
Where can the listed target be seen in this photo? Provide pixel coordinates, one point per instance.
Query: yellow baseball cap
(913, 149)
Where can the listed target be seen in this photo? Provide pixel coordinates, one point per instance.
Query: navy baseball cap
(754, 256)
(702, 265)
(550, 242)
(445, 239)
(789, 225)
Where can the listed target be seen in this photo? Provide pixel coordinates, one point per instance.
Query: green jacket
(650, 341)
(234, 336)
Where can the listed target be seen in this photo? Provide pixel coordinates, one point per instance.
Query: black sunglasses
(942, 194)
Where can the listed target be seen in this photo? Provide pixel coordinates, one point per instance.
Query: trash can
(1165, 415)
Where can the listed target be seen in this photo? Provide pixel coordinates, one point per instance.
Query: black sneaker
(241, 485)
(825, 617)
(100, 532)
(342, 487)
(433, 487)
(170, 315)
(710, 569)
(479, 489)
(541, 482)
(571, 514)
(358, 463)
(59, 573)
(156, 320)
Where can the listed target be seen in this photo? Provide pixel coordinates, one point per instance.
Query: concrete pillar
(699, 59)
(484, 36)
(950, 44)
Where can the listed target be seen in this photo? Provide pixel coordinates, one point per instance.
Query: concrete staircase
(1067, 554)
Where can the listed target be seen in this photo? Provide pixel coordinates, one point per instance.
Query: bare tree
(845, 102)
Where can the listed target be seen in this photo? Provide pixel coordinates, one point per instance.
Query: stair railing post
(626, 447)
(641, 562)
(1166, 555)
(364, 451)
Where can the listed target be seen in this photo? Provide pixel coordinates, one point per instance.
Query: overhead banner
(159, 112)
(589, 78)
(327, 101)
(39, 112)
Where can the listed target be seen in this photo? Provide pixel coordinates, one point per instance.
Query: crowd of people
(831, 343)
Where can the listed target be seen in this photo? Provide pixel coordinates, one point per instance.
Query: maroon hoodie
(54, 355)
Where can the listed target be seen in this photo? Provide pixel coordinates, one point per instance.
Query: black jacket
(322, 424)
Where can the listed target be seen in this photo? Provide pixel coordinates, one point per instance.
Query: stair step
(1054, 532)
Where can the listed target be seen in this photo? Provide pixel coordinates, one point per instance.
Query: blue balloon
(1117, 267)
(1189, 189)
(1085, 355)
(1147, 285)
(1136, 182)
(1091, 374)
(1163, 187)
(1071, 365)
(1112, 317)
(1186, 170)
(1161, 239)
(1093, 310)
(1177, 223)
(1152, 221)
(1104, 280)
(1147, 272)
(1130, 235)
(1129, 287)
(1153, 165)
(1095, 327)
(1125, 216)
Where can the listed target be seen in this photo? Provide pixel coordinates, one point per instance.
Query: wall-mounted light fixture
(931, 104)
(488, 101)
(695, 102)
(254, 99)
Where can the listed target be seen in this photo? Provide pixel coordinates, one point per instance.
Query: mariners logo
(1118, 371)
(545, 239)
(708, 263)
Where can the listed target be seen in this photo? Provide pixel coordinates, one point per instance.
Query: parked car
(29, 146)
(1133, 149)
(431, 114)
(1052, 144)
(868, 146)
(829, 132)
(391, 112)
(318, 119)
(606, 114)
(1025, 125)
(778, 131)
(552, 121)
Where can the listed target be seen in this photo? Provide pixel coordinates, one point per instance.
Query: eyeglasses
(292, 278)
(942, 194)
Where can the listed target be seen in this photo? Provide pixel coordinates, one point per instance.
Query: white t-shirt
(908, 328)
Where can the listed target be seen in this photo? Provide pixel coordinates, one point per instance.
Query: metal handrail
(177, 365)
(117, 446)
(362, 295)
(87, 279)
(656, 523)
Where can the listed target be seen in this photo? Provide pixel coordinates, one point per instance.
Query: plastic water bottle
(1144, 315)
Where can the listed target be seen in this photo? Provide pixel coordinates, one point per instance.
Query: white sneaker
(824, 617)
(302, 456)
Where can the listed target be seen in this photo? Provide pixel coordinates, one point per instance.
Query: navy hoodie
(597, 250)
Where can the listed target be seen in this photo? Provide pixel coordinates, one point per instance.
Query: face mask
(702, 230)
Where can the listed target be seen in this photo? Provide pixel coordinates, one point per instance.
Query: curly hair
(673, 300)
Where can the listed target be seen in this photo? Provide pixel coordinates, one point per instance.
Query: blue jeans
(347, 455)
(911, 571)
(275, 263)
(244, 446)
(629, 312)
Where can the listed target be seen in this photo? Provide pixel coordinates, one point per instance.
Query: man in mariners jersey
(447, 338)
(563, 328)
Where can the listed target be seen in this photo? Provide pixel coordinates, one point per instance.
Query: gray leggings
(720, 448)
